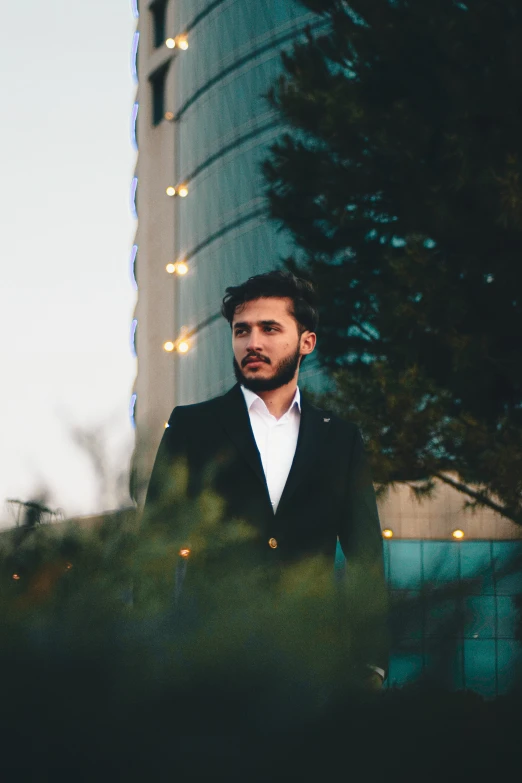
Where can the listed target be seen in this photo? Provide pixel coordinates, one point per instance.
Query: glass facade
(224, 128)
(456, 613)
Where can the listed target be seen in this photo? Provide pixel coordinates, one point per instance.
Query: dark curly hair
(280, 284)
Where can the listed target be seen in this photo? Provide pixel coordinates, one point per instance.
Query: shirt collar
(252, 398)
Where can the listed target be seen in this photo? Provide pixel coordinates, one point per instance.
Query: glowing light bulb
(458, 534)
(170, 43)
(16, 577)
(182, 42)
(184, 552)
(183, 346)
(183, 191)
(171, 191)
(169, 115)
(171, 268)
(168, 346)
(181, 268)
(387, 533)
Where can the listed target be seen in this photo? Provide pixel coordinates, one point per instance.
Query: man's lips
(254, 362)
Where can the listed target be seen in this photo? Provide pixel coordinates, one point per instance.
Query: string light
(169, 115)
(171, 191)
(16, 577)
(183, 346)
(180, 268)
(458, 534)
(184, 552)
(170, 43)
(183, 191)
(182, 42)
(169, 346)
(387, 533)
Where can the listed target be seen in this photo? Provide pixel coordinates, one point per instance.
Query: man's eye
(239, 331)
(269, 329)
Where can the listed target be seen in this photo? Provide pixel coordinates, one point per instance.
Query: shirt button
(272, 542)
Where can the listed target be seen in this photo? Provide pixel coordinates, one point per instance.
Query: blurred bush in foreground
(152, 650)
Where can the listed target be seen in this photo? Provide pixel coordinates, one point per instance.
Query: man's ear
(308, 342)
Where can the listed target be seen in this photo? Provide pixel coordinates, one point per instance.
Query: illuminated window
(134, 328)
(132, 266)
(134, 126)
(159, 21)
(132, 409)
(134, 56)
(133, 199)
(157, 82)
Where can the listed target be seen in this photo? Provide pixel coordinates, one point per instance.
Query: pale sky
(66, 298)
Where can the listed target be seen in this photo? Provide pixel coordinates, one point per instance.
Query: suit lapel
(313, 432)
(237, 424)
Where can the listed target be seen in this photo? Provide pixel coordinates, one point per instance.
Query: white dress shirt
(276, 440)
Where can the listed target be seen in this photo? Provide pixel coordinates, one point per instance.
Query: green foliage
(399, 179)
(105, 663)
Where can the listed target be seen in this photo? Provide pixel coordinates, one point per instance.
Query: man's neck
(279, 400)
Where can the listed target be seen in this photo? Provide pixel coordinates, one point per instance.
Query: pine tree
(399, 178)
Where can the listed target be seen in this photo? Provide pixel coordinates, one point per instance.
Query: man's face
(266, 343)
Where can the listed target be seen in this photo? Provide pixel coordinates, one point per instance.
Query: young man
(297, 474)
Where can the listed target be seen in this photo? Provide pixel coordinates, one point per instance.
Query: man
(297, 474)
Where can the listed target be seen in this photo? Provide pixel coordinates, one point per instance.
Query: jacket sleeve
(361, 541)
(168, 478)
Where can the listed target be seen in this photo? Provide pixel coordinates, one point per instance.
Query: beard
(284, 373)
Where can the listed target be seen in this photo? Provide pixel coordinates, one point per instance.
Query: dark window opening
(159, 21)
(158, 82)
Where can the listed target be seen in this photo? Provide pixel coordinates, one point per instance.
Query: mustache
(254, 356)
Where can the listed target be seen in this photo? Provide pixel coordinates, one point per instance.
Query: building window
(159, 21)
(158, 83)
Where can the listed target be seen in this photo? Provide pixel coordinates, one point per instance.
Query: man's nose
(254, 342)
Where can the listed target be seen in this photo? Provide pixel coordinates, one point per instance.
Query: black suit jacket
(328, 496)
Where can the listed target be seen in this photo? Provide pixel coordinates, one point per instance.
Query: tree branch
(481, 499)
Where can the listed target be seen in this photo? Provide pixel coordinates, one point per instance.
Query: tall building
(202, 126)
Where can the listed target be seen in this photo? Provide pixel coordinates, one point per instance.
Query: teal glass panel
(509, 665)
(406, 664)
(479, 616)
(476, 567)
(442, 616)
(444, 662)
(480, 666)
(509, 620)
(340, 560)
(440, 560)
(405, 565)
(406, 615)
(507, 562)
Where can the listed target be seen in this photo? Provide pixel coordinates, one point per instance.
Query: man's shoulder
(200, 410)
